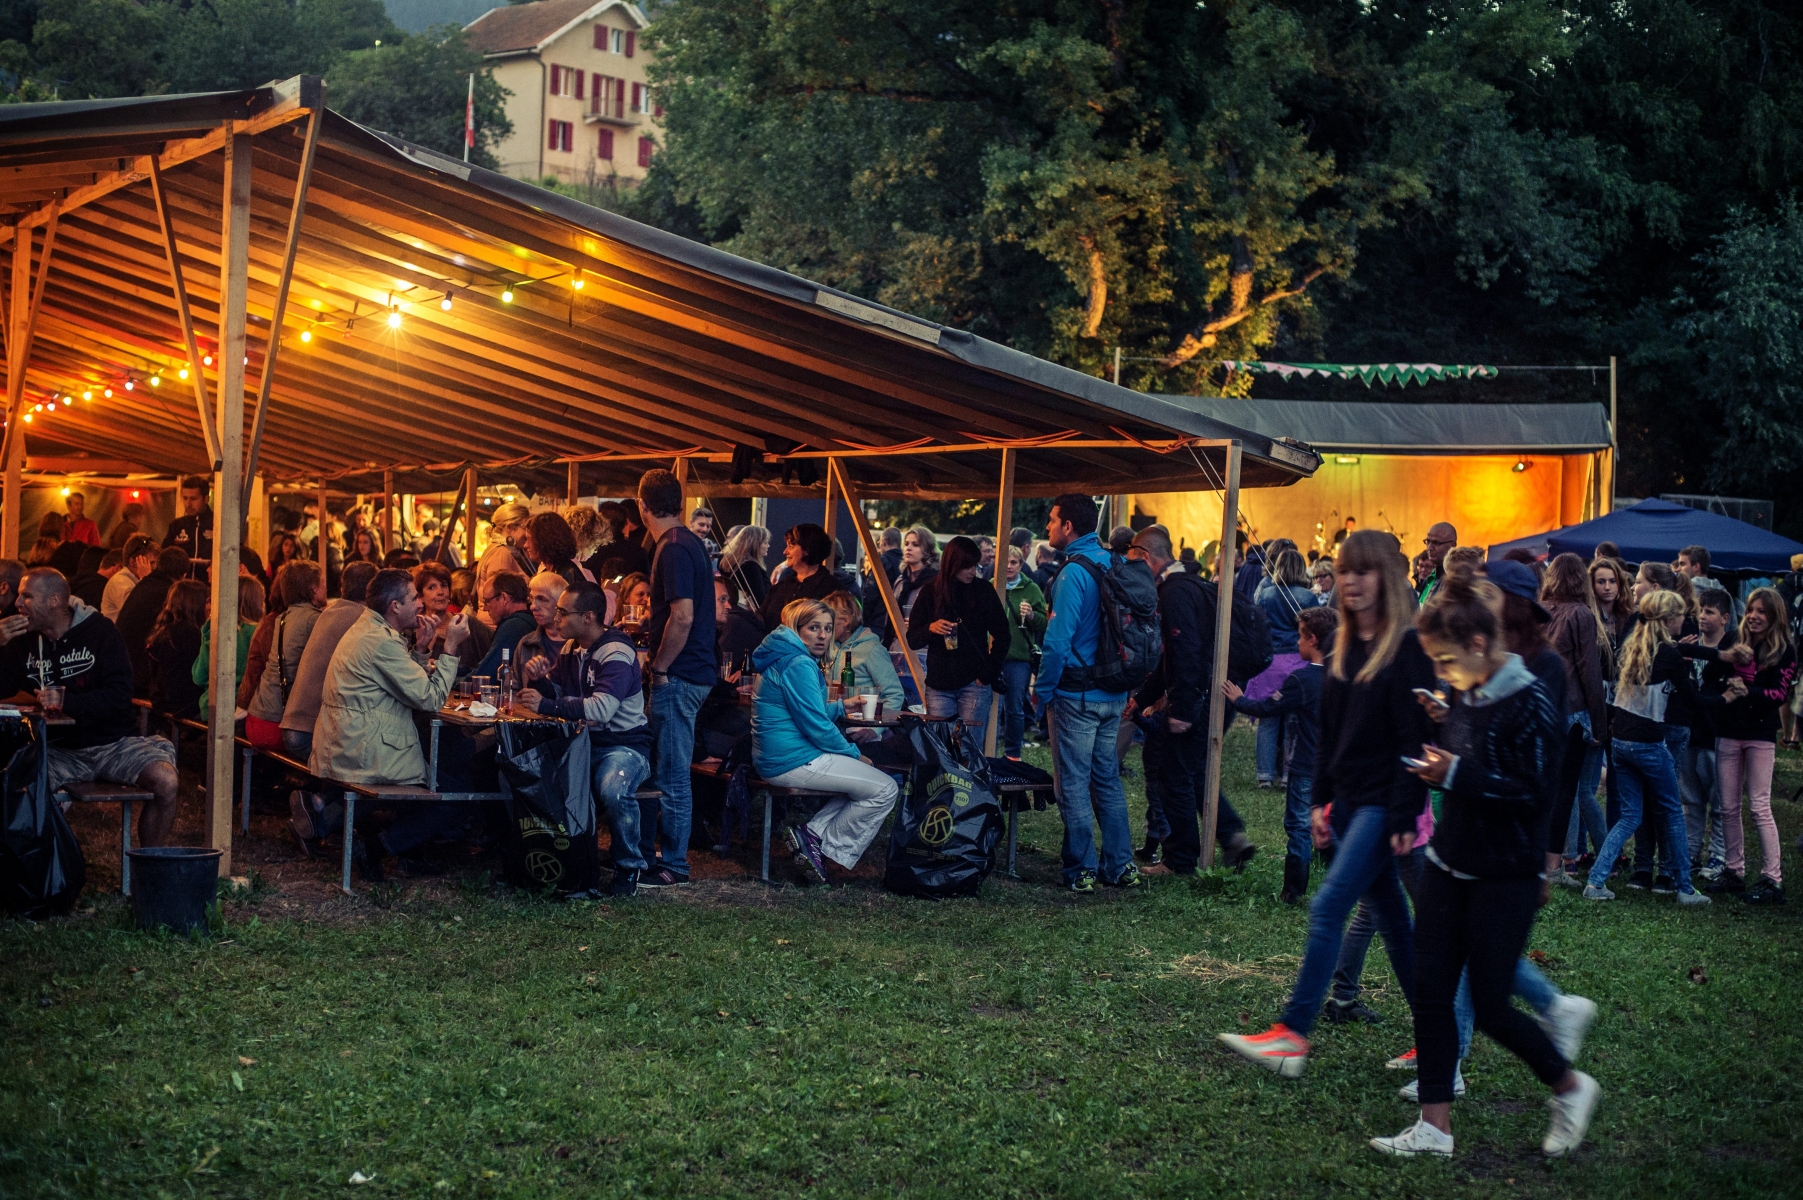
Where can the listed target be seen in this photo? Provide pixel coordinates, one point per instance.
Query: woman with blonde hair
(1650, 670)
(742, 567)
(1370, 721)
(1746, 743)
(796, 742)
(507, 524)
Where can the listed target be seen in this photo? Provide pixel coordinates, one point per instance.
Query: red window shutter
(638, 97)
(580, 77)
(554, 71)
(600, 37)
(657, 110)
(631, 39)
(594, 94)
(552, 143)
(569, 136)
(645, 145)
(604, 150)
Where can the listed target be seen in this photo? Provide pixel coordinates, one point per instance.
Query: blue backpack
(1129, 642)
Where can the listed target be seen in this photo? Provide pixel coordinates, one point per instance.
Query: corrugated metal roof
(1402, 428)
(516, 27)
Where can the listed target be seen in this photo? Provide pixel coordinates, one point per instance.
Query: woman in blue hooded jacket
(796, 743)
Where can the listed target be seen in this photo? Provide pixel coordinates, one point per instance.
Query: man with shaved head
(65, 643)
(1440, 538)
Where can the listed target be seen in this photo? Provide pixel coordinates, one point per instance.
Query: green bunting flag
(1397, 373)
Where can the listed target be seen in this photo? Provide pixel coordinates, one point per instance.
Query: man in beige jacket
(365, 731)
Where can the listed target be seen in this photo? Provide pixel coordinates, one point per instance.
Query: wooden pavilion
(248, 286)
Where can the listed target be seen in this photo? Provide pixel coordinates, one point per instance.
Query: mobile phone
(1434, 698)
(1419, 764)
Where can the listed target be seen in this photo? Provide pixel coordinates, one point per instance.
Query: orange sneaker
(1403, 1062)
(1279, 1048)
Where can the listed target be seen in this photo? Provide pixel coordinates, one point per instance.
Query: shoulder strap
(281, 661)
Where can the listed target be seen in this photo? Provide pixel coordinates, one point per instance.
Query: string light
(38, 408)
(87, 395)
(507, 296)
(136, 494)
(446, 302)
(156, 380)
(306, 335)
(108, 393)
(28, 418)
(577, 283)
(394, 318)
(206, 360)
(65, 493)
(183, 372)
(130, 386)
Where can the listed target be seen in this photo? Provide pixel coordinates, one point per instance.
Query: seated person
(737, 631)
(722, 720)
(314, 815)
(796, 744)
(174, 645)
(597, 679)
(52, 640)
(365, 732)
(542, 595)
(873, 671)
(507, 604)
(138, 612)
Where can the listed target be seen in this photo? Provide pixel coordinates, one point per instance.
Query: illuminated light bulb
(183, 372)
(130, 386)
(28, 418)
(577, 284)
(108, 393)
(65, 493)
(136, 494)
(507, 296)
(206, 360)
(155, 380)
(306, 335)
(38, 408)
(87, 395)
(394, 319)
(317, 304)
(446, 302)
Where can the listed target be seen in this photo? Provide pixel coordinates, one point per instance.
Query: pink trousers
(1748, 763)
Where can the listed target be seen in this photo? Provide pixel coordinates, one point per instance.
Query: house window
(645, 147)
(618, 37)
(566, 81)
(604, 148)
(602, 97)
(562, 136)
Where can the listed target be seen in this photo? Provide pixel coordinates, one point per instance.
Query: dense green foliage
(1356, 180)
(413, 85)
(741, 1043)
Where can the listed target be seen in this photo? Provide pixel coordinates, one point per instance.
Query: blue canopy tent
(1655, 530)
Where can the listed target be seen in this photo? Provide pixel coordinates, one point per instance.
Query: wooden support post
(228, 484)
(388, 507)
(469, 517)
(256, 516)
(574, 484)
(25, 306)
(1004, 522)
(831, 523)
(1217, 704)
(897, 626)
(322, 542)
(195, 372)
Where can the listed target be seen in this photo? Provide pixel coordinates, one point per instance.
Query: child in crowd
(1298, 703)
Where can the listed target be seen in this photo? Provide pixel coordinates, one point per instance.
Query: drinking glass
(491, 696)
(50, 698)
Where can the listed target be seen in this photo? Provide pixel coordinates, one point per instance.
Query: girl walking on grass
(1747, 734)
(1369, 722)
(1483, 882)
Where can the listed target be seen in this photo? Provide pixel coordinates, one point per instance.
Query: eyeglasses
(1434, 541)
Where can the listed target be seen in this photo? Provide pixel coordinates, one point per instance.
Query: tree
(415, 87)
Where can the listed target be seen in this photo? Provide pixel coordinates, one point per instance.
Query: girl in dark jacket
(174, 645)
(961, 624)
(1482, 884)
(1577, 632)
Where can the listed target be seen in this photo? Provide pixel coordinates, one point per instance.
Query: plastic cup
(872, 705)
(50, 698)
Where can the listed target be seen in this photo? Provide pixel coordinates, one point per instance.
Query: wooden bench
(1016, 790)
(770, 792)
(124, 795)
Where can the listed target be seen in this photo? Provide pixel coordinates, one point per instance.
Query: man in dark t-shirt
(682, 668)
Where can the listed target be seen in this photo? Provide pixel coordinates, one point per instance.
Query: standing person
(364, 547)
(1575, 632)
(596, 680)
(1298, 704)
(682, 670)
(1440, 538)
(1026, 618)
(65, 555)
(1790, 590)
(809, 575)
(1481, 887)
(138, 615)
(742, 567)
(192, 532)
(986, 558)
(796, 743)
(588, 529)
(1083, 720)
(1176, 753)
(1370, 721)
(506, 534)
(1650, 848)
(51, 641)
(888, 561)
(919, 568)
(140, 555)
(960, 623)
(1282, 598)
(701, 524)
(1748, 731)
(79, 527)
(1650, 666)
(549, 542)
(311, 816)
(1698, 781)
(131, 523)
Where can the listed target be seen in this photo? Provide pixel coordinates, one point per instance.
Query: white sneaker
(1566, 1023)
(1411, 1091)
(1571, 1117)
(1418, 1139)
(1693, 898)
(1592, 892)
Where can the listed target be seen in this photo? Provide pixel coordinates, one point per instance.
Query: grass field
(735, 1041)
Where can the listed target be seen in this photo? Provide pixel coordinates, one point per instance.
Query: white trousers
(845, 826)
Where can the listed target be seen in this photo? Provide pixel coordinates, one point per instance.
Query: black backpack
(1249, 642)
(1129, 641)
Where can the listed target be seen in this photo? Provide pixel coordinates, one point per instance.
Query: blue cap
(1516, 579)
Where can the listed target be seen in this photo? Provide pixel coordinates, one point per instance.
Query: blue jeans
(1363, 869)
(1295, 815)
(1702, 795)
(1089, 784)
(1270, 748)
(1351, 965)
(1642, 768)
(970, 704)
(1014, 706)
(1530, 985)
(616, 774)
(674, 704)
(1585, 809)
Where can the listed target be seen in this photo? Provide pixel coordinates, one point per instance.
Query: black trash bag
(551, 816)
(944, 839)
(42, 871)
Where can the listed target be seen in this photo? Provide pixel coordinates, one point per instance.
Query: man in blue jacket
(1083, 720)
